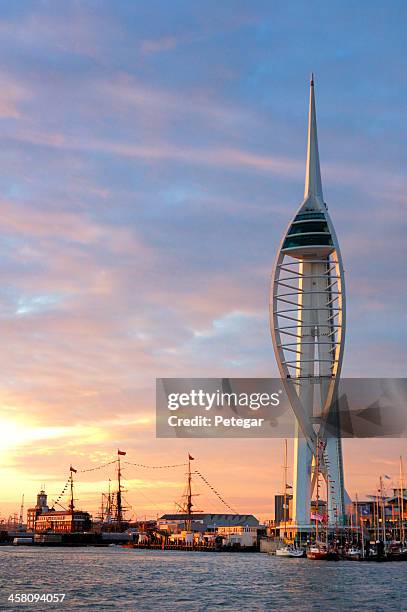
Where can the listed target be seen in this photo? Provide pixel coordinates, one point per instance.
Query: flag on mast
(119, 452)
(190, 457)
(71, 469)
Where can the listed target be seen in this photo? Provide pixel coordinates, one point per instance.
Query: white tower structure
(307, 316)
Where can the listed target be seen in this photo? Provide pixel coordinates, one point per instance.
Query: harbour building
(203, 522)
(42, 519)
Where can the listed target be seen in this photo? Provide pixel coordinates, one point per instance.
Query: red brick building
(41, 518)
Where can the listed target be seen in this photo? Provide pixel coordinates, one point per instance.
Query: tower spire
(313, 185)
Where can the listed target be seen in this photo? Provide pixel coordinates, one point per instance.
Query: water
(120, 579)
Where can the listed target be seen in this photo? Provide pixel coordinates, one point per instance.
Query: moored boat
(354, 554)
(397, 552)
(290, 551)
(320, 552)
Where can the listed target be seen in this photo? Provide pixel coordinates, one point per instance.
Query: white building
(243, 536)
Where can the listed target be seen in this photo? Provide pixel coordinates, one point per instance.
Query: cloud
(13, 95)
(160, 151)
(74, 30)
(361, 176)
(158, 45)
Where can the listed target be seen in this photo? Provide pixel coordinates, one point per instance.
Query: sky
(151, 156)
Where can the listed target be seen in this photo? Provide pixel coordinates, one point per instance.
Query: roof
(372, 501)
(56, 513)
(396, 499)
(231, 519)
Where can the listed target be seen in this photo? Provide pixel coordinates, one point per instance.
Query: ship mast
(317, 490)
(375, 517)
(357, 520)
(71, 501)
(362, 533)
(382, 510)
(326, 511)
(285, 489)
(102, 509)
(189, 504)
(401, 512)
(119, 491)
(109, 505)
(21, 517)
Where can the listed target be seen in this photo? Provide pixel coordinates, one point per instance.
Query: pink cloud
(12, 96)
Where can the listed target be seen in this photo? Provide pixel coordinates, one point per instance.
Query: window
(308, 227)
(309, 215)
(307, 240)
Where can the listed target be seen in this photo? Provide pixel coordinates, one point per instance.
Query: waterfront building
(307, 317)
(41, 518)
(227, 530)
(239, 535)
(398, 501)
(381, 518)
(205, 522)
(279, 514)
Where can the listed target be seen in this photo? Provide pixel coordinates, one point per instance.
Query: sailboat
(289, 551)
(354, 552)
(403, 543)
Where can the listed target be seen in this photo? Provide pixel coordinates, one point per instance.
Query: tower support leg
(302, 480)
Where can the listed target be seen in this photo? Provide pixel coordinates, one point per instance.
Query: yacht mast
(317, 490)
(402, 530)
(285, 489)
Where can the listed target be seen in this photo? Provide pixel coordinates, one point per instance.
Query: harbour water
(120, 579)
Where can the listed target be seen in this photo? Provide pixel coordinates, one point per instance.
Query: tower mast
(313, 182)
